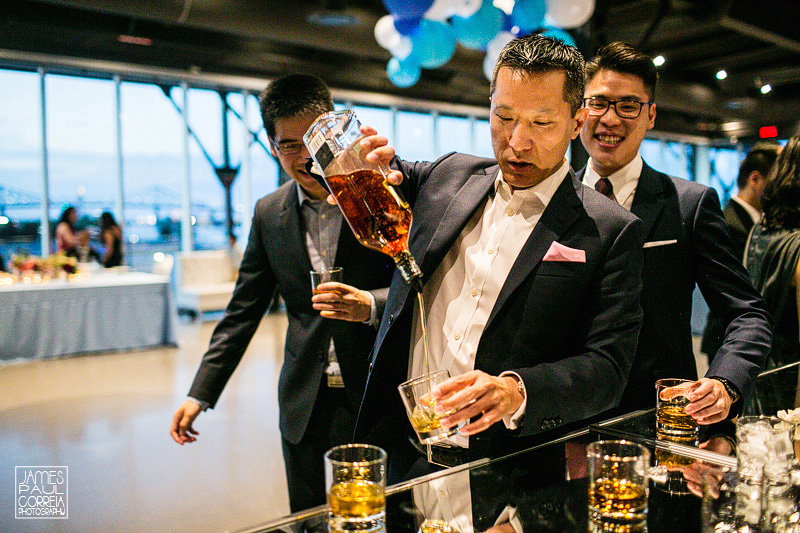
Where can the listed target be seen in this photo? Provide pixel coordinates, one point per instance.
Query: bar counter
(545, 488)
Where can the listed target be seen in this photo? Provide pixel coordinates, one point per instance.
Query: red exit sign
(768, 132)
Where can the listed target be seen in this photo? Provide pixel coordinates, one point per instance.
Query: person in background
(686, 243)
(84, 252)
(531, 280)
(772, 255)
(66, 236)
(111, 235)
(741, 213)
(293, 232)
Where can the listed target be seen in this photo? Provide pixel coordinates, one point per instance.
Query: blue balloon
(476, 31)
(404, 72)
(406, 9)
(528, 15)
(406, 26)
(433, 43)
(561, 35)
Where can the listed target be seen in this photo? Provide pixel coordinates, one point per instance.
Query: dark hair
(293, 95)
(107, 221)
(65, 216)
(759, 159)
(624, 58)
(781, 199)
(538, 54)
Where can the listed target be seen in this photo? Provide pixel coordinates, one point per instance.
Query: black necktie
(604, 187)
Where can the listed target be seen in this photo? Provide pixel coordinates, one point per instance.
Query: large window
(20, 162)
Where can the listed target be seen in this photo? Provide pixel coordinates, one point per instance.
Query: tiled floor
(107, 418)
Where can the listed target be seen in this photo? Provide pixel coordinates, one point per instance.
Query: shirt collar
(544, 190)
(754, 213)
(618, 179)
(303, 197)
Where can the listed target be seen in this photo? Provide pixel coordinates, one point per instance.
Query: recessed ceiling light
(132, 39)
(659, 60)
(766, 88)
(721, 75)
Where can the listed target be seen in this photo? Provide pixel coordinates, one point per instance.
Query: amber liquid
(617, 501)
(672, 420)
(377, 216)
(355, 499)
(434, 525)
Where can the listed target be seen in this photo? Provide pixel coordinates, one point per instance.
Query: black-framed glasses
(288, 148)
(623, 108)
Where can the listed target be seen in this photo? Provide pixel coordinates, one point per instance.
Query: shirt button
(474, 292)
(442, 494)
(457, 336)
(491, 251)
(324, 252)
(510, 212)
(322, 216)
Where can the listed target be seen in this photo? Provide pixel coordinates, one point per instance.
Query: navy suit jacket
(686, 242)
(276, 258)
(568, 329)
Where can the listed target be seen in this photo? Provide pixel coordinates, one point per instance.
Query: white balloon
(385, 33)
(402, 48)
(497, 44)
(441, 10)
(467, 8)
(493, 50)
(488, 66)
(568, 13)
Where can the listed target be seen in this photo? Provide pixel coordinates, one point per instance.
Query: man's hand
(343, 302)
(377, 150)
(476, 393)
(709, 402)
(182, 430)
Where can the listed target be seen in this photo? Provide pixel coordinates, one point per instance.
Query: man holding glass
(531, 280)
(294, 231)
(686, 242)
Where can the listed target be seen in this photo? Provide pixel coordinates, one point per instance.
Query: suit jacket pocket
(564, 269)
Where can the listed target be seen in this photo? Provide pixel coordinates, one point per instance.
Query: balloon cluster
(423, 33)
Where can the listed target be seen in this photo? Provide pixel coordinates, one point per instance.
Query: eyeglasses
(288, 148)
(624, 108)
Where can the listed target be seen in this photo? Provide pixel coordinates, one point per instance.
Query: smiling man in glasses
(686, 243)
(324, 367)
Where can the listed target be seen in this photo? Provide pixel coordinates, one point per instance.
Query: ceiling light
(721, 75)
(132, 39)
(659, 60)
(766, 88)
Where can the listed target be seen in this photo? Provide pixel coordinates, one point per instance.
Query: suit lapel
(461, 209)
(560, 214)
(291, 229)
(649, 200)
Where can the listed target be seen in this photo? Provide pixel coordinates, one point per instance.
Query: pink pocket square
(559, 252)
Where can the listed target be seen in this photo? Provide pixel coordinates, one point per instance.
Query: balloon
(433, 43)
(407, 26)
(569, 13)
(467, 8)
(476, 31)
(561, 35)
(389, 38)
(403, 72)
(493, 50)
(441, 10)
(528, 15)
(406, 9)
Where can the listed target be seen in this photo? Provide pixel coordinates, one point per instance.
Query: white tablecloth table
(103, 312)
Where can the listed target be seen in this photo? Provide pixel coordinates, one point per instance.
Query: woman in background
(66, 236)
(111, 236)
(772, 254)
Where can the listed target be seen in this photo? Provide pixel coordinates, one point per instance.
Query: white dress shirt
(624, 180)
(464, 288)
(754, 213)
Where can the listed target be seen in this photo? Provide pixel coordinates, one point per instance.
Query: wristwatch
(730, 389)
